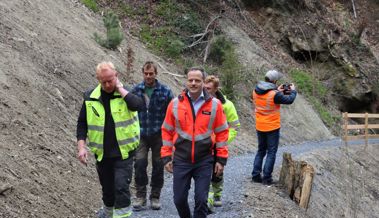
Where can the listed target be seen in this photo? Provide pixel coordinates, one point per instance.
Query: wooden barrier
(366, 126)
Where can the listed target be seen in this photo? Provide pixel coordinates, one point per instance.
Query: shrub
(175, 47)
(91, 4)
(114, 34)
(219, 47)
(188, 23)
(230, 76)
(305, 82)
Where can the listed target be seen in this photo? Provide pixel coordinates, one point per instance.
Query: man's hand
(168, 167)
(292, 86)
(120, 88)
(280, 88)
(82, 152)
(219, 169)
(118, 83)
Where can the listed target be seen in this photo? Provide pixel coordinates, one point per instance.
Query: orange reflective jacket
(267, 113)
(191, 135)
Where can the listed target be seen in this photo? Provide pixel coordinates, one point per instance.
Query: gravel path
(237, 173)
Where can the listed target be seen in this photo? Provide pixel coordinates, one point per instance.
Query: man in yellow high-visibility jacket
(212, 85)
(109, 120)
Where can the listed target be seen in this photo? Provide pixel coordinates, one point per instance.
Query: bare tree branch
(167, 72)
(205, 33)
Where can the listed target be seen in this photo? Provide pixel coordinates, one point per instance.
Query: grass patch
(305, 84)
(91, 4)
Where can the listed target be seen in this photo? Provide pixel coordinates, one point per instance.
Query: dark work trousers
(115, 175)
(141, 161)
(201, 172)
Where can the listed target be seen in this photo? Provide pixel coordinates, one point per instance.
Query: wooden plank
(361, 126)
(366, 130)
(356, 115)
(355, 137)
(345, 127)
(372, 136)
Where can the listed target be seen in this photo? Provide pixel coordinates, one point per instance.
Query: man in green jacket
(212, 85)
(109, 120)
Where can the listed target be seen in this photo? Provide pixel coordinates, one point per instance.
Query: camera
(286, 88)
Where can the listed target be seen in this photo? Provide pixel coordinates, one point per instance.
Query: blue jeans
(201, 172)
(267, 144)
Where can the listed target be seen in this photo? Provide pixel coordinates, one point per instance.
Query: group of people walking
(188, 135)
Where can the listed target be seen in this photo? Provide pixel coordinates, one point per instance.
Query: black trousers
(201, 172)
(115, 175)
(141, 161)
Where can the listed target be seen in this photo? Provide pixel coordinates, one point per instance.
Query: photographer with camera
(267, 98)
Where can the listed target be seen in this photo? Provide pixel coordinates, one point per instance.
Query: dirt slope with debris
(47, 60)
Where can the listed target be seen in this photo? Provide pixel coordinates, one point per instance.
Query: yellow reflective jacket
(126, 124)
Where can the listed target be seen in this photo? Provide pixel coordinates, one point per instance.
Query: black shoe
(268, 182)
(256, 179)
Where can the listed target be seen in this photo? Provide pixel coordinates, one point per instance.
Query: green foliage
(188, 23)
(114, 34)
(175, 48)
(91, 4)
(219, 49)
(230, 74)
(306, 83)
(125, 10)
(162, 40)
(167, 8)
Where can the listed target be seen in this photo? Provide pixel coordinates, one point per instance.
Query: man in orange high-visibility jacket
(190, 121)
(267, 98)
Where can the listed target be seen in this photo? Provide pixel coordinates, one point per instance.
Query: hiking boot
(217, 201)
(139, 204)
(268, 182)
(155, 205)
(256, 179)
(211, 208)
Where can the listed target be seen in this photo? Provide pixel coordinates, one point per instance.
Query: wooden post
(297, 178)
(307, 174)
(287, 174)
(345, 117)
(366, 130)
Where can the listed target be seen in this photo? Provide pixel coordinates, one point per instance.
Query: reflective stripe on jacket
(267, 113)
(191, 135)
(232, 119)
(126, 124)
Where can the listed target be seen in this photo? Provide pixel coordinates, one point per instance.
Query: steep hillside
(48, 58)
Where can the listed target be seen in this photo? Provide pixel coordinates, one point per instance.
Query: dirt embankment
(344, 185)
(47, 60)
